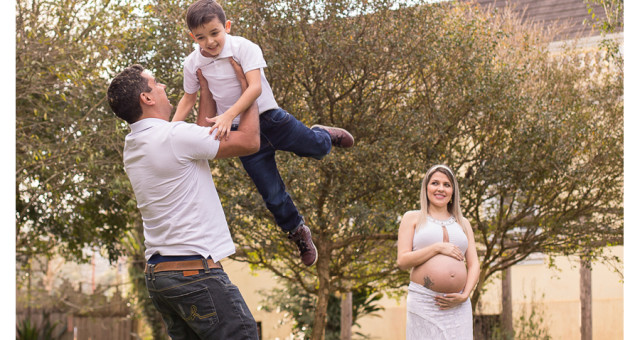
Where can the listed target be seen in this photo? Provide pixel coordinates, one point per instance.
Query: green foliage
(613, 19)
(610, 21)
(536, 139)
(498, 334)
(530, 325)
(27, 330)
(299, 306)
(71, 190)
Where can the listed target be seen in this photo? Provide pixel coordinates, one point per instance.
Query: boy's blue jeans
(202, 306)
(281, 131)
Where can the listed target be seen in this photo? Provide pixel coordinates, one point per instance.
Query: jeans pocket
(196, 308)
(276, 117)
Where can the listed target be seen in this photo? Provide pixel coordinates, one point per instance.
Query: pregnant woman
(434, 243)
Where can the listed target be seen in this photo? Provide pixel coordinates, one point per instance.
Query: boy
(278, 129)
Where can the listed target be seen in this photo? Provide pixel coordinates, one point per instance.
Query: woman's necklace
(443, 223)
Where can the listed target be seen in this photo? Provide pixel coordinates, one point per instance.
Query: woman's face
(439, 189)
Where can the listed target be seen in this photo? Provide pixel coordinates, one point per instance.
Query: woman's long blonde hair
(452, 207)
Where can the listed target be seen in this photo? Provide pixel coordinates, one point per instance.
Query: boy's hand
(223, 124)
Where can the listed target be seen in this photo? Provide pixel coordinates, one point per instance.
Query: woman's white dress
(425, 321)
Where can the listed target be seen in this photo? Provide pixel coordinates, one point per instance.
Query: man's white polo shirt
(167, 164)
(221, 77)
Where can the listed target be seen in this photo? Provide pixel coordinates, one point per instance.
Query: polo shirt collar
(146, 123)
(225, 53)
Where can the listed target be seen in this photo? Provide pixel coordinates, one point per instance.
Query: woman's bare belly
(442, 274)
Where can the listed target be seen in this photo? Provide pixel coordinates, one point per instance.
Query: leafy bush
(29, 330)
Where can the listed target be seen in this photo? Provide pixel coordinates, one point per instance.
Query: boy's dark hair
(203, 11)
(124, 93)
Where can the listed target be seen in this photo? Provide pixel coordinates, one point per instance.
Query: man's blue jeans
(281, 131)
(202, 306)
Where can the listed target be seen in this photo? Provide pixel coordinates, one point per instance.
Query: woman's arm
(407, 257)
(473, 264)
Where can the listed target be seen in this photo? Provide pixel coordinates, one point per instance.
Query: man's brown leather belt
(182, 265)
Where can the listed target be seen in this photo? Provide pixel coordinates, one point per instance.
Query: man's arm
(250, 93)
(246, 140)
(207, 105)
(184, 106)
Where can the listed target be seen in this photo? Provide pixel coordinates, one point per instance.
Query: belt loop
(205, 264)
(150, 268)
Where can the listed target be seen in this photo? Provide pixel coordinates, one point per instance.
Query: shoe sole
(316, 260)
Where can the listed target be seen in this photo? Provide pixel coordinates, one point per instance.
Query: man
(185, 230)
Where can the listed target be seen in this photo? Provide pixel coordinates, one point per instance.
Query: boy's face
(211, 36)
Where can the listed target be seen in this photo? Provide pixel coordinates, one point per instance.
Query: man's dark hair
(203, 11)
(124, 93)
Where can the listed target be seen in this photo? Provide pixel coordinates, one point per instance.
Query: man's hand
(204, 84)
(239, 74)
(246, 140)
(207, 106)
(223, 122)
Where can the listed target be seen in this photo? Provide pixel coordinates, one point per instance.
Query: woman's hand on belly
(450, 300)
(450, 249)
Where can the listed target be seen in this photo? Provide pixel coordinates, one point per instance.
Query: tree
(338, 65)
(536, 140)
(299, 306)
(70, 192)
(555, 157)
(613, 19)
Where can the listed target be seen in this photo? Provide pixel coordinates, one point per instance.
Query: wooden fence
(86, 327)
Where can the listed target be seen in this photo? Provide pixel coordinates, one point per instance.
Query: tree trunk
(506, 318)
(586, 330)
(346, 316)
(29, 289)
(320, 316)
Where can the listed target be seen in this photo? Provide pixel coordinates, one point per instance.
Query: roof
(569, 14)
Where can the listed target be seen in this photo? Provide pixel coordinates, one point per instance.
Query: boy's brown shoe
(339, 137)
(302, 238)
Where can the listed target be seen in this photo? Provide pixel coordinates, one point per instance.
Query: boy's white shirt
(221, 77)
